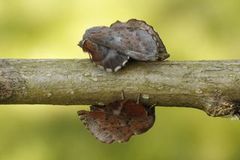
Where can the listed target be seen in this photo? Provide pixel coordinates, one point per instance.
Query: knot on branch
(223, 108)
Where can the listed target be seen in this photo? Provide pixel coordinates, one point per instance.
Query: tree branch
(212, 86)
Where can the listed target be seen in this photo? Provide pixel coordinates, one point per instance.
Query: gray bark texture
(212, 86)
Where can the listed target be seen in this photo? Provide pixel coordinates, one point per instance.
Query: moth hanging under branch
(111, 47)
(119, 120)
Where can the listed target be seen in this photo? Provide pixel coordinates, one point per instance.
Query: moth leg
(90, 57)
(138, 98)
(146, 102)
(123, 95)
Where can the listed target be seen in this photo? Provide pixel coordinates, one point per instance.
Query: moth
(119, 120)
(111, 47)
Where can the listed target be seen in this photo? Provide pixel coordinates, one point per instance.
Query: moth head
(92, 32)
(93, 50)
(88, 34)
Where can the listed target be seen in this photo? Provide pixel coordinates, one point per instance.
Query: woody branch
(212, 86)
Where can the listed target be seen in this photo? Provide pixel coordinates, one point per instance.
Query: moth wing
(125, 39)
(113, 60)
(141, 125)
(144, 26)
(140, 117)
(117, 24)
(138, 55)
(105, 127)
(133, 23)
(94, 122)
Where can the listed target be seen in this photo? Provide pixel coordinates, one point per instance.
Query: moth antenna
(138, 98)
(123, 95)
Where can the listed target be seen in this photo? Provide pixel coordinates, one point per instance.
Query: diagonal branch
(212, 86)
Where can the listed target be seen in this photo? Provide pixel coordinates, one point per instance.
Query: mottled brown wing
(134, 38)
(143, 25)
(106, 127)
(141, 125)
(141, 117)
(137, 44)
(118, 120)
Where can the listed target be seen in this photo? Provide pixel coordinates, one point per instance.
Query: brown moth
(119, 120)
(111, 47)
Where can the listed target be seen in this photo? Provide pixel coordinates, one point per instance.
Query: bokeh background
(190, 29)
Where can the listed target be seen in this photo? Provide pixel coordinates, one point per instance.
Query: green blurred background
(191, 30)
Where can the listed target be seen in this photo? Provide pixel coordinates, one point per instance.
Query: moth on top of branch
(111, 47)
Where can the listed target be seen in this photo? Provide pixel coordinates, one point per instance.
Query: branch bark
(212, 86)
